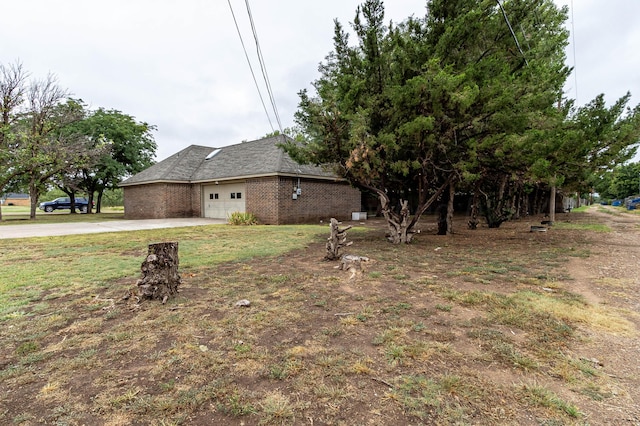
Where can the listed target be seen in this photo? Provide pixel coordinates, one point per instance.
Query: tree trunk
(99, 203)
(495, 204)
(336, 240)
(72, 199)
(552, 205)
(452, 194)
(515, 203)
(445, 212)
(401, 229)
(34, 194)
(524, 206)
(473, 219)
(442, 219)
(160, 277)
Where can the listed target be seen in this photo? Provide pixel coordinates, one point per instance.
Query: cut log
(352, 263)
(337, 240)
(160, 277)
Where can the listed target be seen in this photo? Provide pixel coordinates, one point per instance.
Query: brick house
(256, 177)
(16, 199)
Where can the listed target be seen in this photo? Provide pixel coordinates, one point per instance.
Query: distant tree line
(467, 99)
(622, 182)
(48, 139)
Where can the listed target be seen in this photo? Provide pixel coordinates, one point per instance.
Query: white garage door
(222, 200)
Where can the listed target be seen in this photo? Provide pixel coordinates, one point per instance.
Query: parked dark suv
(63, 203)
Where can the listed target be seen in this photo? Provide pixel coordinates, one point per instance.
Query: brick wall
(270, 199)
(261, 199)
(144, 201)
(196, 200)
(25, 202)
(160, 200)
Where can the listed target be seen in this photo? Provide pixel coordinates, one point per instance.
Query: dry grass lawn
(484, 327)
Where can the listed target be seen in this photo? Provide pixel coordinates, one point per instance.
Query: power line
(263, 67)
(512, 32)
(251, 68)
(575, 65)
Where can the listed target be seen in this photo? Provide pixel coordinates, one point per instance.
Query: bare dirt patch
(487, 327)
(608, 278)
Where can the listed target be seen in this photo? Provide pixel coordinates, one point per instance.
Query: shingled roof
(198, 163)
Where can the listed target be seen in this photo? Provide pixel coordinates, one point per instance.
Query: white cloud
(179, 64)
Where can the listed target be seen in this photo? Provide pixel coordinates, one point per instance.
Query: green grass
(596, 227)
(67, 264)
(543, 397)
(581, 209)
(19, 215)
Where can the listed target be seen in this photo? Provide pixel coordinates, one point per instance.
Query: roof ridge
(204, 158)
(281, 153)
(172, 160)
(186, 151)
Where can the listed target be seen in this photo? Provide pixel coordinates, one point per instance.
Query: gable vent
(213, 153)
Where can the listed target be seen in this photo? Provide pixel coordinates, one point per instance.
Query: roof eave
(150, 182)
(256, 176)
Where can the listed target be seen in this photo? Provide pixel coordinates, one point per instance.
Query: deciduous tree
(126, 145)
(41, 149)
(12, 89)
(621, 182)
(47, 138)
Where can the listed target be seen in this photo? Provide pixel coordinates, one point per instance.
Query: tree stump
(160, 277)
(336, 240)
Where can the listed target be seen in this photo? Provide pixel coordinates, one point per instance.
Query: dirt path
(609, 277)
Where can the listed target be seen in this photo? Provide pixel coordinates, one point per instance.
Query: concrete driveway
(57, 229)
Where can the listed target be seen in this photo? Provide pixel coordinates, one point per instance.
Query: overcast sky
(179, 65)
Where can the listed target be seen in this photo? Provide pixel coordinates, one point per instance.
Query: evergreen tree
(450, 99)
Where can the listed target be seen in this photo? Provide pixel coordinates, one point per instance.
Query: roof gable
(261, 157)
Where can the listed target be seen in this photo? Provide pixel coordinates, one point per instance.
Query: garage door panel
(222, 200)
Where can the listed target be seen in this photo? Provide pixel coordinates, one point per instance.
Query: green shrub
(238, 218)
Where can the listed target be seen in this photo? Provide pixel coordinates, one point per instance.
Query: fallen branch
(111, 302)
(382, 381)
(352, 263)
